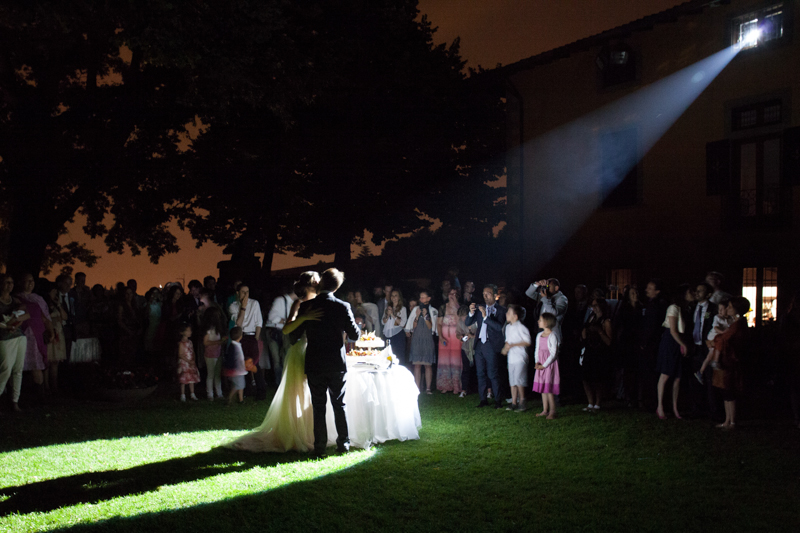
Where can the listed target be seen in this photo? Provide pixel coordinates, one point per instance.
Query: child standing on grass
(187, 369)
(215, 326)
(547, 380)
(518, 338)
(234, 369)
(721, 323)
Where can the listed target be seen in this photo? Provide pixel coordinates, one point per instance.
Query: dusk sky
(491, 31)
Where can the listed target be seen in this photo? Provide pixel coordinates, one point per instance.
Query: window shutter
(791, 156)
(718, 167)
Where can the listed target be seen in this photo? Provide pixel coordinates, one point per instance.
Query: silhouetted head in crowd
(703, 291)
(631, 295)
(80, 280)
(469, 287)
(132, 285)
(331, 280)
(682, 295)
(64, 283)
(738, 307)
(174, 294)
(307, 281)
(548, 321)
(26, 283)
(214, 318)
(153, 295)
(502, 298)
(98, 292)
(600, 307)
(490, 294)
(581, 293)
(715, 279)
(654, 288)
(553, 286)
(210, 283)
(194, 288)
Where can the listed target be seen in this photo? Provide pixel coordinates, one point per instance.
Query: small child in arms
(721, 322)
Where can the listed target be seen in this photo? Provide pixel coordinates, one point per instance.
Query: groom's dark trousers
(325, 363)
(320, 383)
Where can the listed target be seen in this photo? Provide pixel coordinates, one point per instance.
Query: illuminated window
(619, 280)
(759, 27)
(617, 65)
(760, 286)
(769, 298)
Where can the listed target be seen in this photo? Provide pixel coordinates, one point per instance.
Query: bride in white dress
(384, 406)
(289, 423)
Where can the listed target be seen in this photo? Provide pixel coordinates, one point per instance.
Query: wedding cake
(370, 351)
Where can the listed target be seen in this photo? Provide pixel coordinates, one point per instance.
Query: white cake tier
(375, 343)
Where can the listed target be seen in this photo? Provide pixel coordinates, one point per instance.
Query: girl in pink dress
(448, 375)
(547, 380)
(187, 369)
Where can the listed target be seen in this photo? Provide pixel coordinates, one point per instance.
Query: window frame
(759, 220)
(758, 11)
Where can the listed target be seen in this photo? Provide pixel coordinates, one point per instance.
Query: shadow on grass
(339, 502)
(93, 487)
(74, 422)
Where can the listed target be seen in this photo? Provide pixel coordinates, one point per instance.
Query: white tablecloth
(85, 351)
(380, 406)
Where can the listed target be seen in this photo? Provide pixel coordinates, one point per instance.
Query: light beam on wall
(569, 172)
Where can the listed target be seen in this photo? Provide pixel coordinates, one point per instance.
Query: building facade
(666, 148)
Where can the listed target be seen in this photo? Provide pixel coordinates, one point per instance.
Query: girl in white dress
(289, 423)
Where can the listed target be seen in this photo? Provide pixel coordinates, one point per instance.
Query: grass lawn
(151, 466)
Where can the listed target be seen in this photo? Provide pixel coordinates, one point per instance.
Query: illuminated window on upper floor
(758, 27)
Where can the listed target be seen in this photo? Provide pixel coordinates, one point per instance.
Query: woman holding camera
(394, 322)
(422, 325)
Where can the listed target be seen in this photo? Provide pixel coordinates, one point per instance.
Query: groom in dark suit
(325, 358)
(489, 341)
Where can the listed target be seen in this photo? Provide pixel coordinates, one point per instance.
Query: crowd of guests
(668, 351)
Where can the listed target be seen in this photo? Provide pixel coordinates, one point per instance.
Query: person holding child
(13, 343)
(235, 370)
(518, 338)
(547, 380)
(187, 369)
(721, 323)
(729, 345)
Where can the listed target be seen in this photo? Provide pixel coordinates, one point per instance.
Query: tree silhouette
(97, 102)
(394, 139)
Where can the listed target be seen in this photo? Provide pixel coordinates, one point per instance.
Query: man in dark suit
(489, 341)
(702, 321)
(325, 358)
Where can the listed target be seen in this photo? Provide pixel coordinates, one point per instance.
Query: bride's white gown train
(289, 424)
(380, 406)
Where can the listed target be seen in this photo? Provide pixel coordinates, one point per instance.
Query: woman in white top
(394, 323)
(370, 310)
(673, 348)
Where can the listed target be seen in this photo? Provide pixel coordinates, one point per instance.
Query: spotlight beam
(571, 169)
